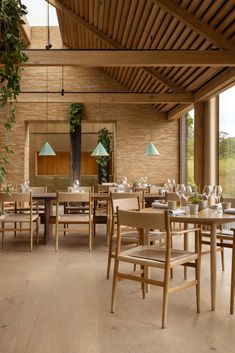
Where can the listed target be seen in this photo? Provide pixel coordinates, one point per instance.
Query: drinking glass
(207, 190)
(180, 189)
(218, 192)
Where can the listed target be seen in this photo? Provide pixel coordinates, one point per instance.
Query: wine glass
(180, 189)
(207, 190)
(218, 192)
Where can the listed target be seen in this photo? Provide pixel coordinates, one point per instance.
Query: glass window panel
(227, 141)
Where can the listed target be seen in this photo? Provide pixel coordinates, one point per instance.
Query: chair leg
(198, 270)
(114, 288)
(165, 297)
(56, 238)
(109, 256)
(37, 231)
(143, 287)
(232, 294)
(31, 238)
(222, 254)
(90, 237)
(185, 248)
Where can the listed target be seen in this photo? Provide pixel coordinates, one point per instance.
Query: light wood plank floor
(60, 303)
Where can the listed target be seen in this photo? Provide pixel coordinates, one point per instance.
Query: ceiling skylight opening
(37, 13)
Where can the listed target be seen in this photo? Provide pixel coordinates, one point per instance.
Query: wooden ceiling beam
(137, 58)
(195, 24)
(105, 98)
(178, 111)
(76, 18)
(218, 84)
(25, 32)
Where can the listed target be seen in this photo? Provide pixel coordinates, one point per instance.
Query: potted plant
(74, 119)
(194, 201)
(11, 45)
(105, 137)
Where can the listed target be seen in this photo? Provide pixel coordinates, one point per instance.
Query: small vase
(193, 207)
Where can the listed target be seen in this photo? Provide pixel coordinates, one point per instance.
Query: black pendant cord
(62, 36)
(49, 45)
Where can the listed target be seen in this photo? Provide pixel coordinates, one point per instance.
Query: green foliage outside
(227, 164)
(190, 149)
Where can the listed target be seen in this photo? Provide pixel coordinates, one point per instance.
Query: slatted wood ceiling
(143, 24)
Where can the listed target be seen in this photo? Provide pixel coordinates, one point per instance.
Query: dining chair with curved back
(152, 256)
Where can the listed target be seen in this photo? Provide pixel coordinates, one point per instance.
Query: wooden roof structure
(172, 25)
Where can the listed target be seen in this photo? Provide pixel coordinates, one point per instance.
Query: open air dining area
(117, 187)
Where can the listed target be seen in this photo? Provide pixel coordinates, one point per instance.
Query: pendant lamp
(151, 149)
(47, 150)
(99, 151)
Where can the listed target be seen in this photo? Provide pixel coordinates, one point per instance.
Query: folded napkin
(177, 212)
(230, 210)
(157, 204)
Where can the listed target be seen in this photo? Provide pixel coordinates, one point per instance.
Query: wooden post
(75, 154)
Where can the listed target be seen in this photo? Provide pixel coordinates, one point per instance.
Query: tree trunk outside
(75, 154)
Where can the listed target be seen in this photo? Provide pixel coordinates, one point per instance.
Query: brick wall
(132, 122)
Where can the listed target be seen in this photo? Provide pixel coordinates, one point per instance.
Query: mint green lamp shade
(151, 150)
(99, 151)
(46, 150)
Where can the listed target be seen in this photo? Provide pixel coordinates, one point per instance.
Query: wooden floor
(60, 303)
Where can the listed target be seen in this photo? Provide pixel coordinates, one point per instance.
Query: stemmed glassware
(180, 188)
(218, 191)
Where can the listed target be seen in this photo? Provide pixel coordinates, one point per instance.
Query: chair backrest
(128, 195)
(126, 204)
(73, 197)
(145, 221)
(82, 188)
(172, 196)
(17, 198)
(38, 189)
(103, 188)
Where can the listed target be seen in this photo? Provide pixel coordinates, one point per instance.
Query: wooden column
(206, 143)
(199, 115)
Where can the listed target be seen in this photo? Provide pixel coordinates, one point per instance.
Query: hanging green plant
(11, 45)
(74, 117)
(105, 137)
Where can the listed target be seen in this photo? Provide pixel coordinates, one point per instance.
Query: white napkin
(177, 212)
(230, 210)
(157, 204)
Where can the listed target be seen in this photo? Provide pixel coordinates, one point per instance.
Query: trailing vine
(105, 137)
(74, 117)
(11, 45)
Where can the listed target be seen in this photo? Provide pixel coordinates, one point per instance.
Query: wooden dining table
(48, 199)
(212, 219)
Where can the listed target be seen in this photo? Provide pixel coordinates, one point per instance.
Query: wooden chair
(73, 218)
(130, 203)
(148, 256)
(74, 207)
(29, 217)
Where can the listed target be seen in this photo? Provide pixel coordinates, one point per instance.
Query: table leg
(213, 266)
(48, 225)
(185, 248)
